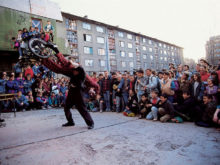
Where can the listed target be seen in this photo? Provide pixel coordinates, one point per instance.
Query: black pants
(75, 97)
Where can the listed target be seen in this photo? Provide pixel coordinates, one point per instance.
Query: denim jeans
(118, 103)
(107, 100)
(152, 114)
(125, 98)
(139, 93)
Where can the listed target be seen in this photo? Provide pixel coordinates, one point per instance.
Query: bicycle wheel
(40, 48)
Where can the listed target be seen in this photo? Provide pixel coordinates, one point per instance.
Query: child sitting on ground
(154, 104)
(41, 102)
(143, 109)
(30, 100)
(132, 107)
(166, 109)
(53, 100)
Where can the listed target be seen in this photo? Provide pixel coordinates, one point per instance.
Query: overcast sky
(186, 23)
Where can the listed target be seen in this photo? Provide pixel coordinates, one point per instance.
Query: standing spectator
(17, 69)
(132, 83)
(197, 88)
(151, 81)
(166, 87)
(118, 94)
(32, 32)
(140, 84)
(166, 109)
(35, 68)
(124, 88)
(49, 27)
(11, 85)
(3, 83)
(114, 87)
(28, 70)
(179, 71)
(187, 71)
(204, 74)
(105, 89)
(20, 82)
(27, 84)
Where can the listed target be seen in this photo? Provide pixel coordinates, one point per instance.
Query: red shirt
(204, 76)
(29, 71)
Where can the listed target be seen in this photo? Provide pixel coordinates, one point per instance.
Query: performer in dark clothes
(78, 80)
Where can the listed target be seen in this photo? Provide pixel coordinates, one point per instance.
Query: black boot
(68, 124)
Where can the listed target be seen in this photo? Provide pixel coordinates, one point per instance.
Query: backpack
(177, 86)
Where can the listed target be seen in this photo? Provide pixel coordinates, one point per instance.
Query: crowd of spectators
(173, 95)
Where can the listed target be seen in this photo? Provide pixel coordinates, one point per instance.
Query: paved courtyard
(36, 137)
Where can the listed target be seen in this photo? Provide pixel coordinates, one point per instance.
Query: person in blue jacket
(21, 102)
(12, 85)
(28, 84)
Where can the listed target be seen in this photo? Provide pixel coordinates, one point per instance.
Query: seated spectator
(53, 102)
(132, 107)
(41, 102)
(216, 118)
(17, 46)
(154, 104)
(35, 68)
(143, 109)
(21, 102)
(197, 87)
(32, 32)
(30, 100)
(166, 109)
(61, 99)
(2, 83)
(205, 115)
(27, 84)
(188, 106)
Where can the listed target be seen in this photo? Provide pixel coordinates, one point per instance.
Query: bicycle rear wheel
(40, 48)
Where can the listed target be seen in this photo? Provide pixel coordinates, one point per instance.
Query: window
(150, 42)
(88, 50)
(160, 44)
(161, 58)
(113, 62)
(121, 44)
(130, 54)
(37, 23)
(121, 34)
(87, 37)
(172, 47)
(161, 52)
(150, 50)
(131, 64)
(164, 45)
(123, 64)
(102, 63)
(130, 45)
(129, 36)
(100, 40)
(172, 53)
(144, 48)
(165, 52)
(144, 56)
(144, 40)
(122, 53)
(100, 29)
(101, 51)
(165, 58)
(89, 63)
(86, 26)
(151, 57)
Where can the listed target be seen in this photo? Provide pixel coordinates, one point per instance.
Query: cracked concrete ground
(36, 137)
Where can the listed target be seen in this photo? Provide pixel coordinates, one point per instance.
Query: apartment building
(99, 47)
(213, 50)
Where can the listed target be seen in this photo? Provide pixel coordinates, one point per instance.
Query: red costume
(78, 79)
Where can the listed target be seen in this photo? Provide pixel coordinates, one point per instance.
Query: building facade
(99, 47)
(213, 50)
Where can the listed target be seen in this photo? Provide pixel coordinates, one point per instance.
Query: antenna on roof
(86, 16)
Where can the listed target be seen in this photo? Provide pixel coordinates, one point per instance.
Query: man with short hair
(140, 84)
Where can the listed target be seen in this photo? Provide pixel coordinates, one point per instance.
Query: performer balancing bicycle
(78, 80)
